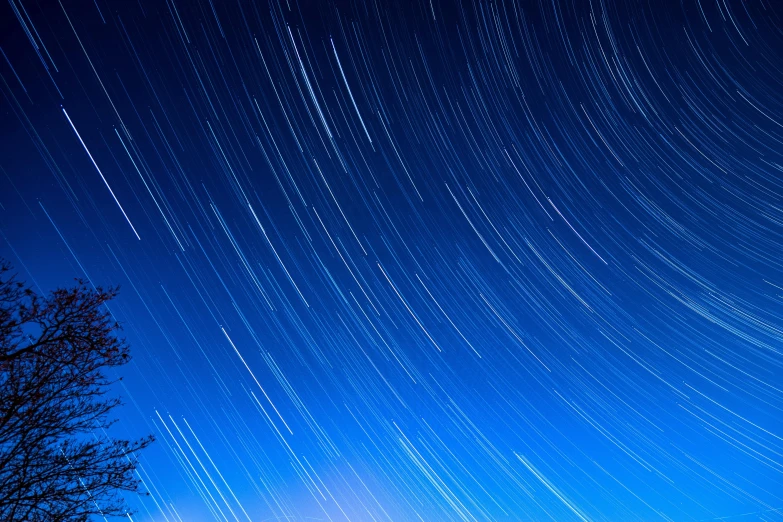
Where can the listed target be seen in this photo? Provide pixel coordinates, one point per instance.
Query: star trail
(418, 260)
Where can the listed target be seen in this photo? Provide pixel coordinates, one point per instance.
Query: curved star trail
(430, 260)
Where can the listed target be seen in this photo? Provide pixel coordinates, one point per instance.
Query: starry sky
(418, 260)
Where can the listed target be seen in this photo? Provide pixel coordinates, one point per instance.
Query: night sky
(433, 260)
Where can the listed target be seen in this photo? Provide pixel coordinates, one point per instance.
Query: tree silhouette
(57, 462)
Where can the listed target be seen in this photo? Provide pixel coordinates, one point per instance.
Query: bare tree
(57, 462)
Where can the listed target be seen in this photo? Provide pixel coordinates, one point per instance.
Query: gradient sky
(434, 260)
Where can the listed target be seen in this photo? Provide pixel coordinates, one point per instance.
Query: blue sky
(418, 261)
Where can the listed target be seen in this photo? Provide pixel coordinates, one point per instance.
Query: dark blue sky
(418, 261)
